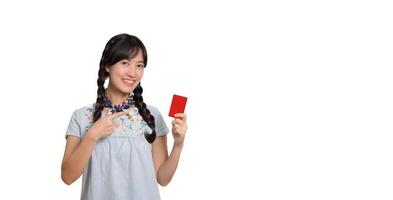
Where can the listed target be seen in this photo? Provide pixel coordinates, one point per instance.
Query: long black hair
(119, 47)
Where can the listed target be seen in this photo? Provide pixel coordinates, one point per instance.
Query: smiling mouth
(128, 82)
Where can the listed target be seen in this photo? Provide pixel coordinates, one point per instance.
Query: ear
(107, 69)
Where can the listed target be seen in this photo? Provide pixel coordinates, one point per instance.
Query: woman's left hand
(179, 128)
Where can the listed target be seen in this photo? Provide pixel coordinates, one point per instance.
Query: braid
(145, 113)
(102, 74)
(99, 106)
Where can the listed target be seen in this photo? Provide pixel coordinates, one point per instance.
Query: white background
(287, 99)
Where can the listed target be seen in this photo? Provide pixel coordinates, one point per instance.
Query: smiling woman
(129, 72)
(119, 143)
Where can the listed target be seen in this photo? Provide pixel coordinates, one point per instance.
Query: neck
(115, 96)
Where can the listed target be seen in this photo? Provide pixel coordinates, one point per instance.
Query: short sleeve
(161, 127)
(74, 127)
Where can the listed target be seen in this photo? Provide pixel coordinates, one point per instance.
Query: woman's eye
(124, 63)
(141, 65)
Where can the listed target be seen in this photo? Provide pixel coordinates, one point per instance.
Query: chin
(128, 89)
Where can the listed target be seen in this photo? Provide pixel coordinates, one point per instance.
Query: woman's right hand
(104, 126)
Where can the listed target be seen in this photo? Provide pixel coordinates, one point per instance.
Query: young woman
(119, 143)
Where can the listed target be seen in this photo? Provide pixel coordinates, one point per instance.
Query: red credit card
(178, 105)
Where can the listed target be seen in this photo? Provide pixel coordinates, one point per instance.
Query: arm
(165, 166)
(78, 151)
(76, 155)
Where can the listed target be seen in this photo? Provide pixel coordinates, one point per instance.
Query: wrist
(91, 136)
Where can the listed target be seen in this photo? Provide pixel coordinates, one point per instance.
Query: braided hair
(119, 47)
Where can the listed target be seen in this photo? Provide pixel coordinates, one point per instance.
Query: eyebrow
(139, 61)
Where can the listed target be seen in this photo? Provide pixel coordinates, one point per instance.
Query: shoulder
(85, 108)
(153, 110)
(84, 111)
(81, 120)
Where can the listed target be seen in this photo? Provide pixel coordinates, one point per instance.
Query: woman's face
(125, 75)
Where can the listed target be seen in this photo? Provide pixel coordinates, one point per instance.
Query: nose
(132, 71)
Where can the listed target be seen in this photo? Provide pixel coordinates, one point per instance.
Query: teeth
(128, 81)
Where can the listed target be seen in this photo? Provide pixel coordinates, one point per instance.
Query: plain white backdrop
(287, 99)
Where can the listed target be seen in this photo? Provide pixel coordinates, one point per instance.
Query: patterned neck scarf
(118, 108)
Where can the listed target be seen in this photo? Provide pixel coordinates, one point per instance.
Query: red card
(178, 105)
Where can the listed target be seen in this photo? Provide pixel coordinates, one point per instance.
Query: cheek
(116, 79)
(116, 71)
(141, 74)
